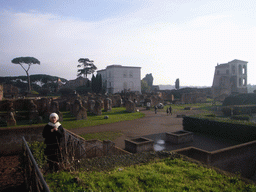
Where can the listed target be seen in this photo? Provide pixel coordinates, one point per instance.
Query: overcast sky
(171, 39)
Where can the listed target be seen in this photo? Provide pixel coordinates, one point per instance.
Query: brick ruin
(229, 78)
(38, 109)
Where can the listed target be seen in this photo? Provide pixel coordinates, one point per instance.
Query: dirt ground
(151, 124)
(11, 178)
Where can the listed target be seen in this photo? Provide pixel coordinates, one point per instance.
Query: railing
(71, 151)
(33, 177)
(77, 147)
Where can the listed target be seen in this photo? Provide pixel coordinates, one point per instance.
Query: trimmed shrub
(238, 132)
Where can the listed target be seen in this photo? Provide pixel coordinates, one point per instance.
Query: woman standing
(53, 133)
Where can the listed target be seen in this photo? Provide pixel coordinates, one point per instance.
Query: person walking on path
(170, 110)
(53, 133)
(155, 109)
(167, 111)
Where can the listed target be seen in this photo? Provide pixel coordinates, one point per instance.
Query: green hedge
(238, 132)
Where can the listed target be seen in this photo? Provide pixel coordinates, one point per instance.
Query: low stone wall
(236, 159)
(179, 137)
(11, 142)
(238, 132)
(138, 145)
(98, 148)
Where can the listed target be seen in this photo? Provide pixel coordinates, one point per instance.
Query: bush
(239, 131)
(37, 149)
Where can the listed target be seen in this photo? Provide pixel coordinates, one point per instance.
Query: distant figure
(170, 110)
(155, 109)
(167, 111)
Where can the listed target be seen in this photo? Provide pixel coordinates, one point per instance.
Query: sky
(171, 39)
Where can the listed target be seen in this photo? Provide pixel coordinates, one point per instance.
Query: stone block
(130, 106)
(138, 145)
(179, 137)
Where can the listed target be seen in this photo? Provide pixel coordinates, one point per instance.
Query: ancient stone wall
(11, 139)
(130, 106)
(194, 97)
(236, 159)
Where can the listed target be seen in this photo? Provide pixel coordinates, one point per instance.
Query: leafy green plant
(37, 149)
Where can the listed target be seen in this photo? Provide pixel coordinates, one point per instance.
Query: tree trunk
(29, 86)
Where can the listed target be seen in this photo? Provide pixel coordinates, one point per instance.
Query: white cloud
(188, 49)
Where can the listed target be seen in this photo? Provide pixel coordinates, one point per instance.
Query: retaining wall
(235, 159)
(11, 138)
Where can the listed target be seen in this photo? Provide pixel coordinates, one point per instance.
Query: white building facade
(117, 78)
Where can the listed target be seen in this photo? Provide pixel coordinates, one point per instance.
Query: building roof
(120, 66)
(233, 61)
(222, 66)
(236, 60)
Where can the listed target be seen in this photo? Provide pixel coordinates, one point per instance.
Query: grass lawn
(162, 175)
(107, 135)
(116, 115)
(201, 106)
(69, 122)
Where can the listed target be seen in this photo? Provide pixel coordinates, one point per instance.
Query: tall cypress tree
(93, 84)
(100, 83)
(88, 83)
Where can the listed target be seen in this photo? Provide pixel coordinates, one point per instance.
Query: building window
(240, 82)
(244, 82)
(244, 70)
(125, 74)
(227, 71)
(130, 74)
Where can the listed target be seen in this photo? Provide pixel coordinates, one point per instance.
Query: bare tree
(29, 61)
